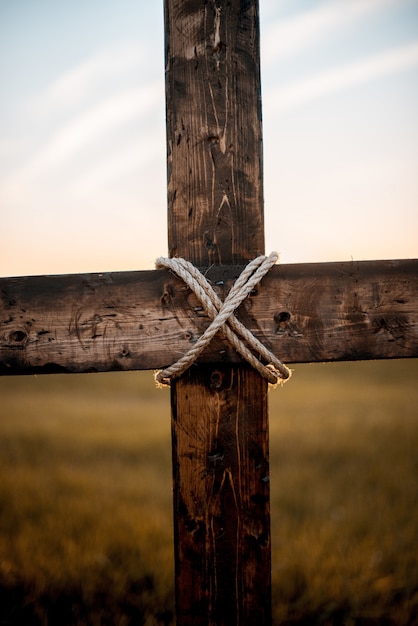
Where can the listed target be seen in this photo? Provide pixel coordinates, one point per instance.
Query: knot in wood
(223, 318)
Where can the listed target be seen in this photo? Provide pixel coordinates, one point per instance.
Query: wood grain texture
(214, 150)
(145, 320)
(221, 477)
(215, 216)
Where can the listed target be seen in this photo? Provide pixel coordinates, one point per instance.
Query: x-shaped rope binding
(222, 316)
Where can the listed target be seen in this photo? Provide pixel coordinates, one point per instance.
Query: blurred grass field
(86, 511)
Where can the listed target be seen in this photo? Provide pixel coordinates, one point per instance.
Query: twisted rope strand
(222, 312)
(219, 312)
(239, 291)
(222, 316)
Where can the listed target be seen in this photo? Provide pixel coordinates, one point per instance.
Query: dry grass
(345, 514)
(85, 498)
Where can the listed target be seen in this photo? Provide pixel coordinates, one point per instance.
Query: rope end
(280, 377)
(161, 381)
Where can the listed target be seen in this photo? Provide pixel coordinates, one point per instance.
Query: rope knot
(222, 316)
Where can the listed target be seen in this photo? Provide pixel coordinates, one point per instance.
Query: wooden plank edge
(147, 319)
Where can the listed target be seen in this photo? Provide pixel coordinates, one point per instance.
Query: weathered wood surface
(214, 139)
(221, 497)
(145, 320)
(215, 215)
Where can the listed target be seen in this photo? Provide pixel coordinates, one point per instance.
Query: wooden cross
(147, 319)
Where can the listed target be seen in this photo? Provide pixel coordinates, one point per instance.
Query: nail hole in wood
(18, 336)
(283, 316)
(216, 379)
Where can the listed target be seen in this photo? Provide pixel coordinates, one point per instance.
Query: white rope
(222, 316)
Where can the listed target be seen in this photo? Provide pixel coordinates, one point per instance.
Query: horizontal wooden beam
(146, 320)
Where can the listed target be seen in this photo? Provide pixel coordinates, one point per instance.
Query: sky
(82, 132)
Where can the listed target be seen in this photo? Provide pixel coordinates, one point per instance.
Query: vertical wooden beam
(220, 424)
(214, 150)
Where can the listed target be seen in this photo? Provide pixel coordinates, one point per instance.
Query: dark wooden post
(215, 208)
(145, 320)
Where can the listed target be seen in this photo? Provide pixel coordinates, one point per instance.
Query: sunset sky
(82, 132)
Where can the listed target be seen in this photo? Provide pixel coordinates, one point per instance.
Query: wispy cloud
(293, 35)
(102, 68)
(292, 94)
(134, 154)
(86, 129)
(88, 126)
